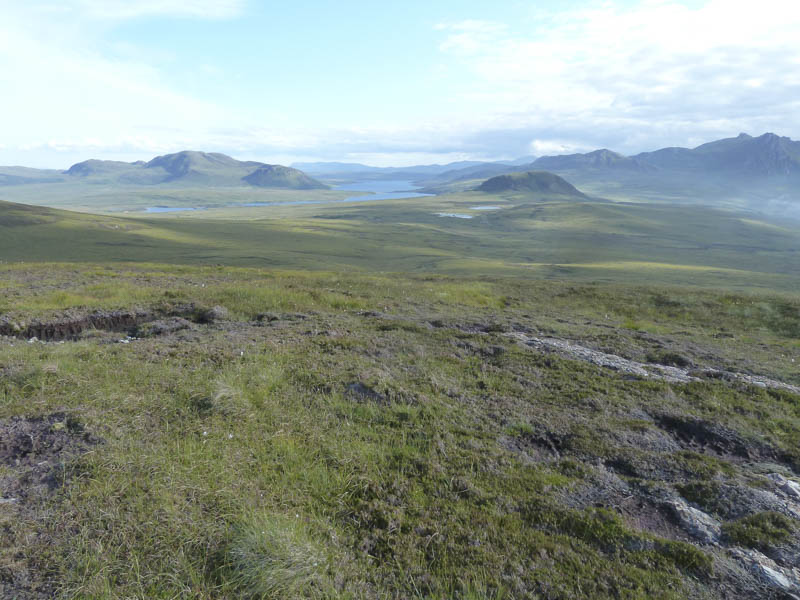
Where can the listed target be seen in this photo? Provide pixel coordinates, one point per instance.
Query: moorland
(517, 388)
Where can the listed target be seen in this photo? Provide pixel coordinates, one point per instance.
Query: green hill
(276, 176)
(534, 182)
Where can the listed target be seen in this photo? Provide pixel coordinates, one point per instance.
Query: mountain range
(744, 156)
(358, 171)
(187, 168)
(756, 173)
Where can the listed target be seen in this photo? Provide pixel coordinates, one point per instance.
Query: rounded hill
(540, 182)
(277, 176)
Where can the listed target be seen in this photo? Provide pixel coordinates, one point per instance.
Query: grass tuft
(274, 556)
(760, 531)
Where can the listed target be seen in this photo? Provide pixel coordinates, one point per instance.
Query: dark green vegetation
(761, 530)
(382, 436)
(536, 182)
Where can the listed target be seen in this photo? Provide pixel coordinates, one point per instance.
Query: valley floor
(210, 432)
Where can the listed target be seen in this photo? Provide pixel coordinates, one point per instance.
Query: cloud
(468, 37)
(61, 94)
(661, 70)
(627, 77)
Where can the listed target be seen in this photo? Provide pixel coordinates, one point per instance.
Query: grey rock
(768, 571)
(791, 489)
(698, 524)
(787, 486)
(643, 370)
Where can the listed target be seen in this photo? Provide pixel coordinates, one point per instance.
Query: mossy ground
(375, 436)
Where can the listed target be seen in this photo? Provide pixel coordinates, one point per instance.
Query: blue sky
(389, 83)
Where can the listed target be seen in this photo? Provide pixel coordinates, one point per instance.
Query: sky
(382, 83)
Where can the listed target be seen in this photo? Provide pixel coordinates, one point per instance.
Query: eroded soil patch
(70, 327)
(35, 455)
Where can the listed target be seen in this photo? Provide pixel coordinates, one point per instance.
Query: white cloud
(546, 147)
(661, 70)
(60, 94)
(631, 79)
(468, 37)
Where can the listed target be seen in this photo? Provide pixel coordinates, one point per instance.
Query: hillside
(326, 400)
(532, 182)
(581, 240)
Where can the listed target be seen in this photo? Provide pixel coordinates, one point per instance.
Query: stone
(787, 580)
(787, 486)
(700, 525)
(791, 489)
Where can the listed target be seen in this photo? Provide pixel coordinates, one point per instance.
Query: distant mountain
(332, 168)
(522, 160)
(276, 176)
(187, 168)
(335, 170)
(481, 171)
(599, 159)
(94, 167)
(540, 182)
(25, 175)
(767, 155)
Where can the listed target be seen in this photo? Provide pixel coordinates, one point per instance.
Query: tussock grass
(274, 556)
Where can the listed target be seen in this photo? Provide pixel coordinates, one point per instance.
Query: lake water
(378, 190)
(454, 215)
(485, 207)
(381, 190)
(165, 209)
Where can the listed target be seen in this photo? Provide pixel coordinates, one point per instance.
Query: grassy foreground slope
(368, 436)
(589, 241)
